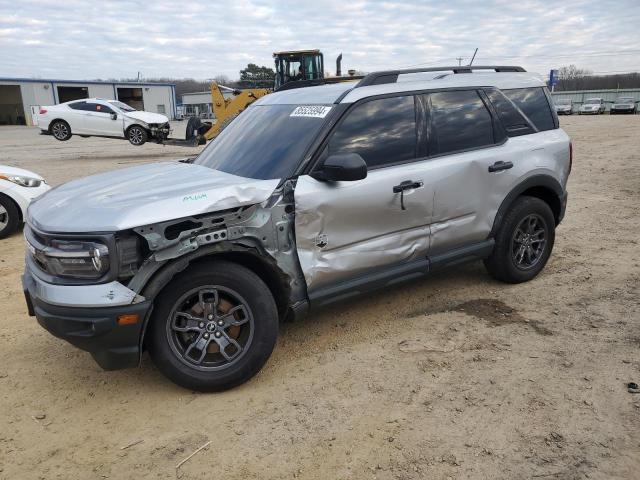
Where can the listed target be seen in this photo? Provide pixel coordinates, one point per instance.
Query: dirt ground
(453, 377)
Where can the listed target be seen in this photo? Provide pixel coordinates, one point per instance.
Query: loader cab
(292, 66)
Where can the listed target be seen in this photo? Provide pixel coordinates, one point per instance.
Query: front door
(98, 121)
(347, 229)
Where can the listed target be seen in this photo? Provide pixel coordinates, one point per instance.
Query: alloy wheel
(60, 131)
(210, 328)
(529, 241)
(4, 218)
(136, 135)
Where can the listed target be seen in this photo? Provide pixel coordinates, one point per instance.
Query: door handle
(406, 185)
(499, 166)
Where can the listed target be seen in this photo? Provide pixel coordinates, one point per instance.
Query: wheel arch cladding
(273, 277)
(544, 187)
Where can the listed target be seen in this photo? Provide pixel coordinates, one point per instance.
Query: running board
(398, 274)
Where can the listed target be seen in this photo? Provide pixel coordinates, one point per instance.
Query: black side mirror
(342, 167)
(114, 116)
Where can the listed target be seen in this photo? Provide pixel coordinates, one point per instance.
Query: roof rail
(391, 76)
(315, 82)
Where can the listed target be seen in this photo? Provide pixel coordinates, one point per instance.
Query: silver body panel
(362, 224)
(143, 195)
(364, 227)
(110, 294)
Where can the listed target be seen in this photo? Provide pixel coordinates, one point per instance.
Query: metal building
(198, 104)
(20, 97)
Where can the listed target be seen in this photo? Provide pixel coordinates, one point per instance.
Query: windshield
(122, 106)
(563, 101)
(593, 101)
(625, 100)
(264, 141)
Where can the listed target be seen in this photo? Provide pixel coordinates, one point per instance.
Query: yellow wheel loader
(294, 69)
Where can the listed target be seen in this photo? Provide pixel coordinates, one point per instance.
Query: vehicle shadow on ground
(436, 293)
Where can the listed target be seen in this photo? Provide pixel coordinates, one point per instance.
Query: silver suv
(310, 196)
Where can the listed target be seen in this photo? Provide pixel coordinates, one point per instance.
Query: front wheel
(523, 242)
(213, 327)
(9, 217)
(137, 135)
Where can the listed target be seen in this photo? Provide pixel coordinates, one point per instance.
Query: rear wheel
(213, 327)
(524, 241)
(9, 216)
(60, 130)
(137, 135)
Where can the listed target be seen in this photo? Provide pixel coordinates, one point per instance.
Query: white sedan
(103, 118)
(18, 188)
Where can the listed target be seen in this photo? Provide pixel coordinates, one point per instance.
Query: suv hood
(142, 195)
(148, 117)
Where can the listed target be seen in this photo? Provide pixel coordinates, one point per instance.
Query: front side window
(533, 102)
(459, 121)
(381, 131)
(98, 107)
(265, 141)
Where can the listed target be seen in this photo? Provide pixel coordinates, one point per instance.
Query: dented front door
(346, 229)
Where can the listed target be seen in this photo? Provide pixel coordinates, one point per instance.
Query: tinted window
(512, 120)
(264, 141)
(459, 120)
(382, 131)
(77, 105)
(533, 102)
(98, 107)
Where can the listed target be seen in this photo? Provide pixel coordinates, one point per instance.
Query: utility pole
(459, 61)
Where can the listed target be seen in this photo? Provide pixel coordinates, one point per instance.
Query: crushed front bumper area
(93, 329)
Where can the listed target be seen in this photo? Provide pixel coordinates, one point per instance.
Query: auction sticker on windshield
(315, 111)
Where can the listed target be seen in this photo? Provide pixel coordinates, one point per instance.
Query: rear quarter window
(534, 104)
(512, 120)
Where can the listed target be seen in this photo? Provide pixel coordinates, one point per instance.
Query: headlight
(21, 180)
(73, 258)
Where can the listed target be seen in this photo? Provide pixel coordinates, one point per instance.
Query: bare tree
(574, 78)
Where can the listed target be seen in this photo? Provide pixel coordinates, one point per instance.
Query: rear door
(474, 166)
(483, 143)
(347, 229)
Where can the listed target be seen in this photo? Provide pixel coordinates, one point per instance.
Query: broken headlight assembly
(73, 259)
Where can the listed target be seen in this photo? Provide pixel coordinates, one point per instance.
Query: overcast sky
(113, 39)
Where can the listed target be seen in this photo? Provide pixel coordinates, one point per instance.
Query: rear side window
(382, 132)
(512, 120)
(534, 104)
(77, 105)
(459, 121)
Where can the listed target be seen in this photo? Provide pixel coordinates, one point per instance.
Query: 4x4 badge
(321, 240)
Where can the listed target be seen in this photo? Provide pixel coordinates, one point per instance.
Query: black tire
(193, 124)
(172, 350)
(9, 216)
(60, 130)
(503, 263)
(137, 135)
